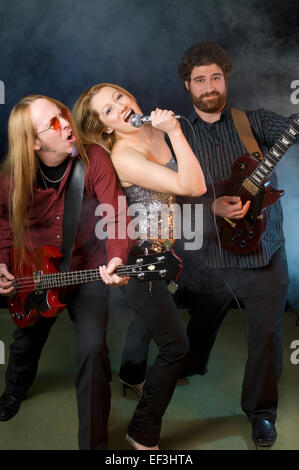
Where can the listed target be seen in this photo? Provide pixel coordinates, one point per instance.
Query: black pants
(263, 292)
(88, 309)
(157, 314)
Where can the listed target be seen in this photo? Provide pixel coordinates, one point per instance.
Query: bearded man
(257, 277)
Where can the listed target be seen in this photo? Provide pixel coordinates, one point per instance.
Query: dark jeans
(88, 309)
(263, 292)
(157, 314)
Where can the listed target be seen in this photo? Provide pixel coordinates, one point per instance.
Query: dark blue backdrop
(59, 48)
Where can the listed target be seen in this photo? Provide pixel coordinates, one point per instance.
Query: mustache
(206, 95)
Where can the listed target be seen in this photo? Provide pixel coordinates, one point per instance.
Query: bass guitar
(249, 181)
(38, 286)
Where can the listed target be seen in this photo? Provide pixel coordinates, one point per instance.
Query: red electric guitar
(37, 286)
(249, 180)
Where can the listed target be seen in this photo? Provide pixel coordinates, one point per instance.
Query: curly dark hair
(205, 53)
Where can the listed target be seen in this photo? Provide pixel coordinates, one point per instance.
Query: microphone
(137, 120)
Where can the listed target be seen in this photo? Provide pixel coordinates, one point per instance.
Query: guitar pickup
(37, 282)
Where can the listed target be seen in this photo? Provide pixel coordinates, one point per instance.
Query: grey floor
(204, 413)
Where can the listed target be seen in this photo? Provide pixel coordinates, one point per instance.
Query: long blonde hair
(21, 164)
(90, 126)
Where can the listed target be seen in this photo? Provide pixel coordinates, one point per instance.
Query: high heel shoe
(136, 446)
(126, 385)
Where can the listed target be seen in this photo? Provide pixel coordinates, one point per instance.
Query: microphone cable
(244, 320)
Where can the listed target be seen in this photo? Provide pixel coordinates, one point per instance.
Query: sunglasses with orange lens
(55, 121)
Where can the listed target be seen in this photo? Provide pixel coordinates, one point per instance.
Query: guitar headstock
(154, 267)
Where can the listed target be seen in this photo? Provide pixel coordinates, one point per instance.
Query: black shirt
(53, 173)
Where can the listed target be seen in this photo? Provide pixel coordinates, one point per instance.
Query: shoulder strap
(71, 213)
(244, 130)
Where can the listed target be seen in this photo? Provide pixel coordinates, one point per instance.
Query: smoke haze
(60, 48)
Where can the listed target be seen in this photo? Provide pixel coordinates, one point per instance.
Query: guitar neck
(150, 267)
(50, 281)
(260, 175)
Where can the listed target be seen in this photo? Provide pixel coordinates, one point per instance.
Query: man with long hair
(258, 277)
(43, 147)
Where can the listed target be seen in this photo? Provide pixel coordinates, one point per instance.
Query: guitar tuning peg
(173, 287)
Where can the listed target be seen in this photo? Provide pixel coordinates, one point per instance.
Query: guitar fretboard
(48, 281)
(262, 172)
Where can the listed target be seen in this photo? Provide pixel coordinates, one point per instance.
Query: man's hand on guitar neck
(230, 207)
(6, 279)
(108, 275)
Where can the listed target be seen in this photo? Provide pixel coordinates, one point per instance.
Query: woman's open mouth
(128, 115)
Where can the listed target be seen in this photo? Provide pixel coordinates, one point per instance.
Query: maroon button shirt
(45, 217)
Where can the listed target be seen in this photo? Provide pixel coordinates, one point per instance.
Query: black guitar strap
(244, 130)
(72, 210)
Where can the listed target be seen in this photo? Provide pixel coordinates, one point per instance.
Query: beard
(47, 148)
(209, 105)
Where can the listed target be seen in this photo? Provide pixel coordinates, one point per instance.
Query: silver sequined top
(152, 212)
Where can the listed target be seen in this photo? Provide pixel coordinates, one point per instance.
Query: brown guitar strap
(245, 132)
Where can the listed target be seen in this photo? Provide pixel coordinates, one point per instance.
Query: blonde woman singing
(150, 172)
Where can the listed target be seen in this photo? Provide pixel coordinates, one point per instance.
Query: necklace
(44, 177)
